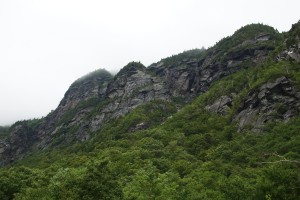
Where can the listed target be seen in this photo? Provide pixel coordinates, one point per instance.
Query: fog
(45, 45)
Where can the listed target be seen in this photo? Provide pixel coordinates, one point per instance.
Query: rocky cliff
(99, 98)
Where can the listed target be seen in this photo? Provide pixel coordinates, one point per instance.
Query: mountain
(217, 123)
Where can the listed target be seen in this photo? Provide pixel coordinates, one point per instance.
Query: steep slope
(40, 133)
(221, 123)
(96, 99)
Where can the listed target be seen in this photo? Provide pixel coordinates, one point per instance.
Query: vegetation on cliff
(166, 150)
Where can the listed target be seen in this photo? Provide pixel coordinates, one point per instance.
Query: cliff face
(275, 100)
(19, 141)
(98, 98)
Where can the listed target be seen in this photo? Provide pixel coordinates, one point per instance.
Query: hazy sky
(46, 44)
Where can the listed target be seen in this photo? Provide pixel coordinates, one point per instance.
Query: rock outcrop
(21, 138)
(221, 106)
(292, 45)
(273, 101)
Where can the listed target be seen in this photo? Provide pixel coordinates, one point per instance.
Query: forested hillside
(217, 123)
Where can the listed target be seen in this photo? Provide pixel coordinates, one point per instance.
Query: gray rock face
(14, 147)
(187, 78)
(220, 106)
(177, 80)
(275, 100)
(82, 90)
(126, 92)
(263, 37)
(294, 54)
(291, 53)
(292, 43)
(3, 146)
(191, 77)
(87, 88)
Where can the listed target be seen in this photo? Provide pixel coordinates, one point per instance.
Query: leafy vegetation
(186, 55)
(246, 39)
(131, 66)
(246, 33)
(30, 123)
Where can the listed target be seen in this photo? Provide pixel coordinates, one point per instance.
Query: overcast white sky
(47, 44)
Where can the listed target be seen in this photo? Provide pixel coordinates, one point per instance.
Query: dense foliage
(158, 152)
(186, 55)
(132, 66)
